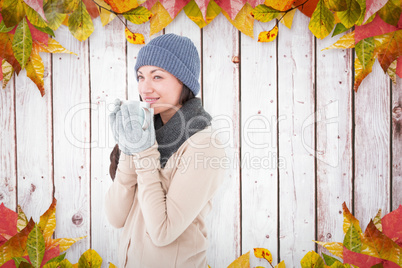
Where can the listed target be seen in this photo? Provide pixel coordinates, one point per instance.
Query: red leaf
(174, 7)
(307, 8)
(391, 223)
(37, 5)
(372, 6)
(50, 254)
(362, 260)
(232, 7)
(8, 221)
(399, 66)
(255, 3)
(38, 35)
(376, 27)
(149, 4)
(92, 8)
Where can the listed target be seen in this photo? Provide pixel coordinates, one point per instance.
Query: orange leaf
(308, 7)
(121, 6)
(47, 222)
(335, 248)
(6, 51)
(361, 72)
(134, 38)
(388, 48)
(244, 21)
(268, 36)
(63, 243)
(263, 253)
(160, 19)
(92, 8)
(35, 69)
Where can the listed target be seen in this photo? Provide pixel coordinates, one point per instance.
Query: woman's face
(161, 89)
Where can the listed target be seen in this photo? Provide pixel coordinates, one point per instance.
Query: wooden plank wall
(299, 140)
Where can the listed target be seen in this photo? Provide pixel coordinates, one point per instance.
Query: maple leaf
(242, 262)
(362, 260)
(375, 27)
(8, 223)
(231, 7)
(322, 21)
(134, 38)
(391, 71)
(362, 71)
(335, 248)
(6, 51)
(388, 48)
(346, 41)
(392, 224)
(398, 70)
(7, 73)
(268, 36)
(121, 6)
(263, 253)
(80, 23)
(349, 219)
(372, 6)
(244, 22)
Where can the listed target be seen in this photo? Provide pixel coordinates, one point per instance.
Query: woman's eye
(157, 77)
(140, 77)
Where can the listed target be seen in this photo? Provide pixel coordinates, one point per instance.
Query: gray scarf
(187, 121)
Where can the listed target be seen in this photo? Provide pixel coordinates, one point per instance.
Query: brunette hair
(185, 95)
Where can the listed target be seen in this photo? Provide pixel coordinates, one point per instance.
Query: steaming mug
(144, 112)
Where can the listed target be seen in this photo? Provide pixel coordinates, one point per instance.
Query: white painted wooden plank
(397, 144)
(259, 150)
(221, 100)
(34, 148)
(297, 176)
(372, 141)
(71, 117)
(8, 176)
(333, 119)
(108, 72)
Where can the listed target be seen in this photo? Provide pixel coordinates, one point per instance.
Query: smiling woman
(162, 193)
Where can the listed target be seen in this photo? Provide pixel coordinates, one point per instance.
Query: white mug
(145, 112)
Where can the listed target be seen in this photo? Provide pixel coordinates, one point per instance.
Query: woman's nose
(146, 87)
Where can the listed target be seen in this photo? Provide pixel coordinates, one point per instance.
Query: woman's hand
(126, 122)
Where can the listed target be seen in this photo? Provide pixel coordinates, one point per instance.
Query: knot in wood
(397, 113)
(77, 219)
(235, 59)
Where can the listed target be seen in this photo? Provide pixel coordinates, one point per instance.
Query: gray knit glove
(126, 124)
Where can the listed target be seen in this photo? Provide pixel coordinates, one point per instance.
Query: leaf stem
(287, 11)
(111, 11)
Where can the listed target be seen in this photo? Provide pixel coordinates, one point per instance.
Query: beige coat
(162, 211)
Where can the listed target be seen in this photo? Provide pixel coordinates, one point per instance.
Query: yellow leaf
(269, 35)
(360, 74)
(8, 72)
(335, 248)
(349, 219)
(288, 18)
(63, 243)
(392, 74)
(346, 41)
(160, 20)
(322, 21)
(281, 265)
(105, 15)
(242, 262)
(263, 253)
(90, 258)
(281, 5)
(111, 265)
(312, 259)
(193, 12)
(134, 38)
(121, 6)
(244, 21)
(52, 47)
(80, 23)
(47, 222)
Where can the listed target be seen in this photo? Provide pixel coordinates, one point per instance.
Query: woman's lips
(151, 100)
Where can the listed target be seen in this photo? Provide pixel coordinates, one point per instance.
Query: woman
(163, 188)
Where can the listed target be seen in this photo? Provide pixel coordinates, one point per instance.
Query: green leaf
(312, 259)
(54, 18)
(90, 259)
(80, 23)
(4, 28)
(37, 21)
(322, 21)
(329, 260)
(13, 12)
(365, 51)
(352, 240)
(138, 15)
(67, 6)
(390, 13)
(58, 258)
(362, 4)
(339, 28)
(22, 43)
(51, 265)
(18, 260)
(336, 5)
(351, 15)
(36, 246)
(264, 13)
(65, 264)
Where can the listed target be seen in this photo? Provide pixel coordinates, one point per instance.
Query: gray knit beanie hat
(175, 54)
